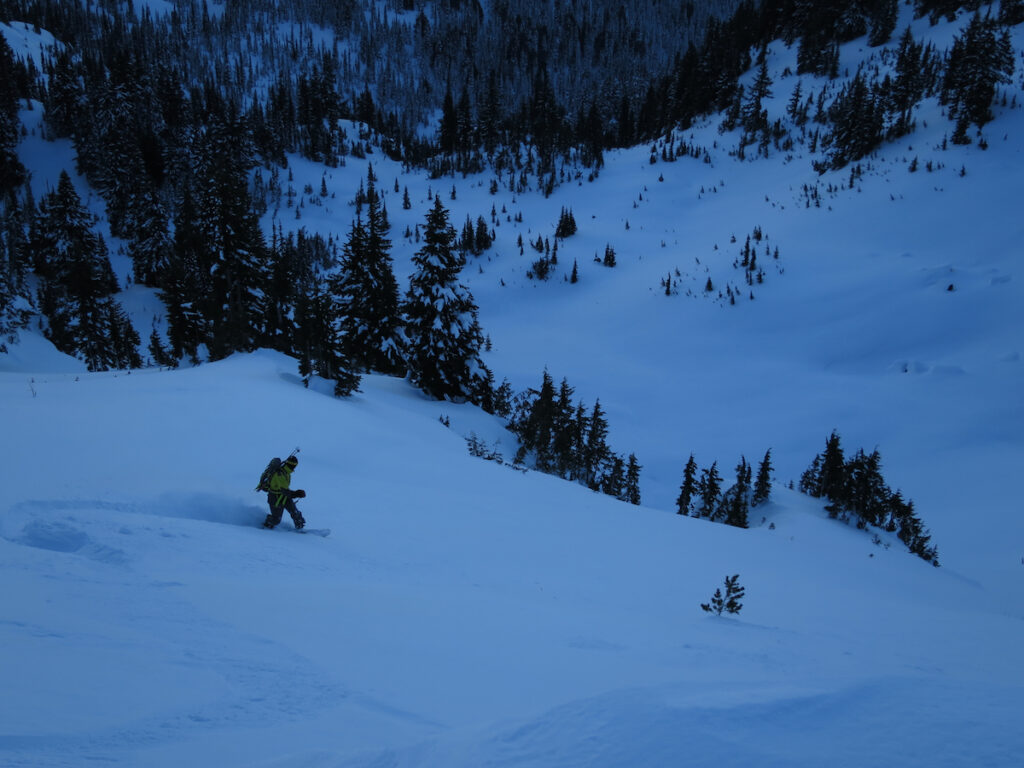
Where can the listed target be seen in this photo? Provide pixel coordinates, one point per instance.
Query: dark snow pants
(279, 502)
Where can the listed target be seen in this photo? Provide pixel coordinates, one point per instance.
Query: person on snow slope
(280, 497)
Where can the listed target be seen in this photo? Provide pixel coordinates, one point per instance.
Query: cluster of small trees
(475, 239)
(855, 489)
(981, 59)
(432, 335)
(871, 109)
(702, 493)
(541, 268)
(566, 224)
(563, 438)
(752, 270)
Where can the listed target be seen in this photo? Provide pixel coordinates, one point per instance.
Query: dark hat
(292, 461)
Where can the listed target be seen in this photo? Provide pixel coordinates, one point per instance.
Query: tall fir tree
(186, 284)
(907, 86)
(566, 460)
(366, 294)
(832, 474)
(443, 340)
(233, 242)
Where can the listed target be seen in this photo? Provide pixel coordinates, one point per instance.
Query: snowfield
(465, 613)
(461, 612)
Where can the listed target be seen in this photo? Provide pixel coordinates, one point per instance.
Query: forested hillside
(183, 116)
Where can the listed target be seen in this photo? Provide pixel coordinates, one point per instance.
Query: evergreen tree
(857, 119)
(108, 152)
(535, 425)
(315, 342)
(12, 172)
(159, 352)
(866, 494)
(482, 236)
(566, 224)
(15, 294)
(730, 602)
(882, 18)
(579, 429)
(817, 54)
(78, 286)
(981, 59)
(763, 483)
(1011, 12)
(448, 132)
(911, 531)
(754, 117)
(832, 476)
(151, 246)
(187, 284)
(443, 336)
(709, 487)
(856, 487)
(64, 96)
(733, 594)
(563, 442)
(688, 488)
(632, 487)
(596, 453)
(467, 242)
(907, 87)
(232, 241)
(937, 9)
(279, 296)
(366, 295)
(736, 501)
(613, 481)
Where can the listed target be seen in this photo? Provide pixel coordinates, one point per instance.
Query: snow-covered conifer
(442, 332)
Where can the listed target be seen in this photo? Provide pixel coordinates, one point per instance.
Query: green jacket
(279, 485)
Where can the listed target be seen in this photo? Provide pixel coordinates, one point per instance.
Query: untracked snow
(465, 613)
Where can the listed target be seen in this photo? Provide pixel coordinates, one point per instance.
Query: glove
(299, 494)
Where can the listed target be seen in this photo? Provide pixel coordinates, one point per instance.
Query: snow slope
(464, 613)
(461, 612)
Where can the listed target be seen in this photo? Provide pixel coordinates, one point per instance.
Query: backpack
(272, 466)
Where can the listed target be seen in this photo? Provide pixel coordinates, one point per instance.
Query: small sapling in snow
(730, 603)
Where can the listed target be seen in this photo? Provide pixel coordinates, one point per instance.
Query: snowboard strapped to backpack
(272, 467)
